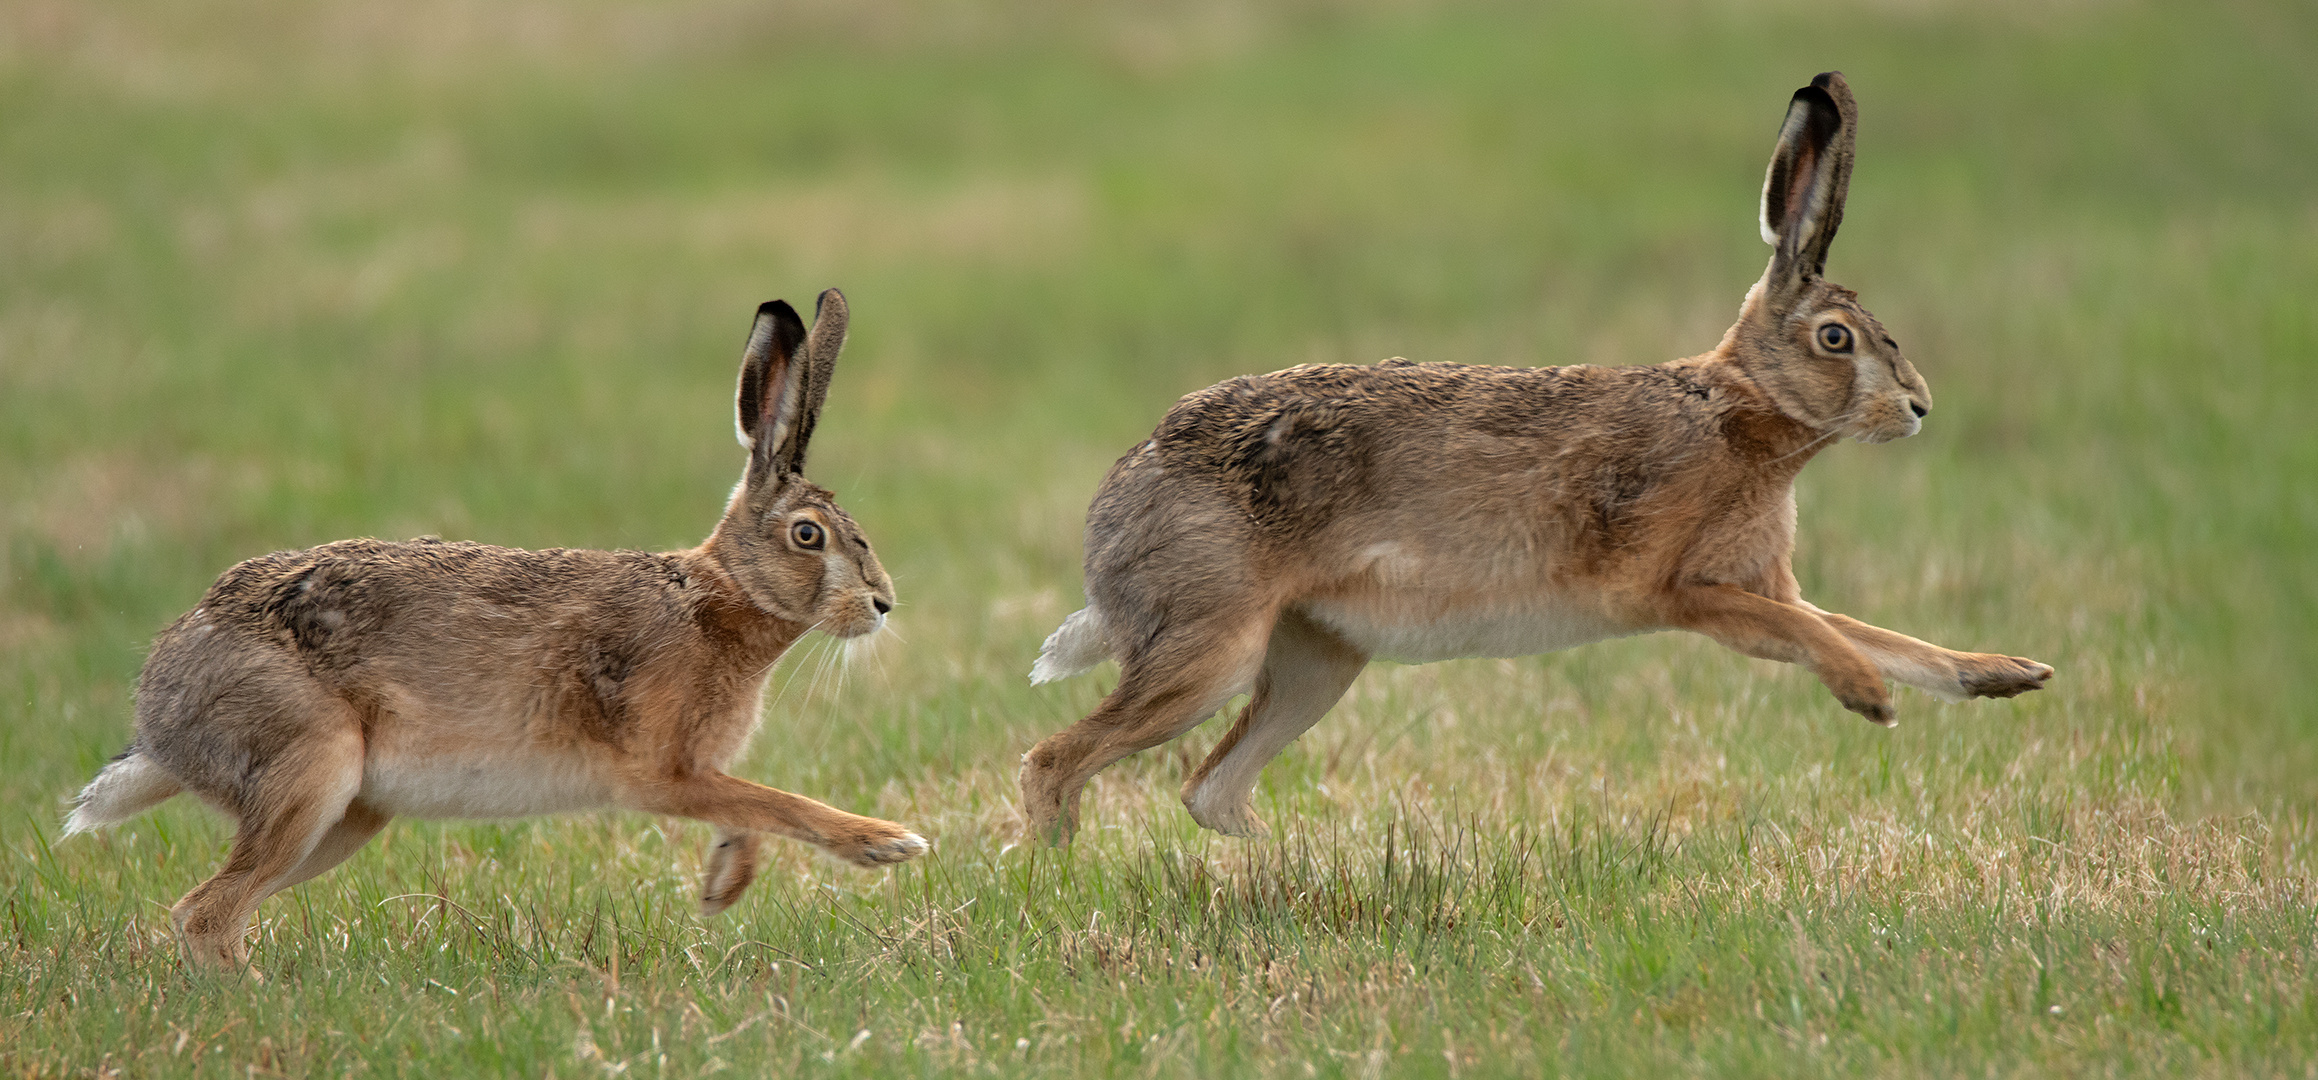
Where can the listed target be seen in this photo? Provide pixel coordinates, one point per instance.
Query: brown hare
(1279, 531)
(313, 695)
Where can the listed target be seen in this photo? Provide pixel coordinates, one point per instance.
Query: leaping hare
(1279, 531)
(315, 694)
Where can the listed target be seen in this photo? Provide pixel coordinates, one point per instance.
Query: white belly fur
(476, 759)
(487, 788)
(1477, 631)
(1417, 601)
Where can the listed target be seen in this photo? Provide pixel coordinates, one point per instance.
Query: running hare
(315, 694)
(1279, 531)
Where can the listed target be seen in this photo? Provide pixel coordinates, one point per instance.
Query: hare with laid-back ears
(315, 694)
(1279, 531)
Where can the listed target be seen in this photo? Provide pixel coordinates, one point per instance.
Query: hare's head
(1803, 339)
(783, 537)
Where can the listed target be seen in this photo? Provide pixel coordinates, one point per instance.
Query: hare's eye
(807, 535)
(1835, 337)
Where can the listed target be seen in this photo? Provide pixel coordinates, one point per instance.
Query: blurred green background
(273, 274)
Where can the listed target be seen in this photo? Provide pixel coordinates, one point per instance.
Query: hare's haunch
(1279, 531)
(314, 695)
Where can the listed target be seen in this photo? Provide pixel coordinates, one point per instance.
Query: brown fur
(1278, 531)
(316, 694)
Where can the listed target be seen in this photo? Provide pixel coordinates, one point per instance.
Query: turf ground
(273, 274)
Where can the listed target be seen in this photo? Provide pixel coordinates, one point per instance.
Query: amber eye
(807, 535)
(1835, 337)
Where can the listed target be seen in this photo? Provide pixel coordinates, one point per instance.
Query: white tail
(129, 786)
(1082, 641)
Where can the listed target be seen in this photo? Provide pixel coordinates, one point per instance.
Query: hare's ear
(1809, 175)
(822, 344)
(772, 391)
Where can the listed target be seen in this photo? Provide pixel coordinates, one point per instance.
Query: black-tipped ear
(772, 386)
(822, 344)
(1809, 176)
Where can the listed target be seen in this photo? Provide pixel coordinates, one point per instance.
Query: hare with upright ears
(315, 694)
(1279, 531)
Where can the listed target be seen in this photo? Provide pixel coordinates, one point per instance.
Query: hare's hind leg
(1165, 688)
(1306, 669)
(353, 829)
(299, 798)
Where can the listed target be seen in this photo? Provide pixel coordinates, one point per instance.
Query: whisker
(794, 670)
(1834, 431)
(824, 656)
(827, 676)
(1806, 447)
(810, 667)
(870, 649)
(835, 666)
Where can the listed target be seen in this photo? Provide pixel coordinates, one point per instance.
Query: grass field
(273, 274)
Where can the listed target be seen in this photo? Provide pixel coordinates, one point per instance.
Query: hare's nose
(882, 605)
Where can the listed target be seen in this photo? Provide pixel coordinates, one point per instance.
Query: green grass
(274, 274)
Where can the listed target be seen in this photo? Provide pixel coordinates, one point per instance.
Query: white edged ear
(1809, 176)
(771, 401)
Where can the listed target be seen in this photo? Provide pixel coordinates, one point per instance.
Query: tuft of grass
(278, 274)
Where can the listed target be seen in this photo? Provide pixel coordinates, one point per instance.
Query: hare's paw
(732, 864)
(902, 848)
(1987, 675)
(877, 843)
(1048, 818)
(1049, 812)
(1872, 701)
(214, 950)
(1867, 696)
(210, 956)
(1240, 820)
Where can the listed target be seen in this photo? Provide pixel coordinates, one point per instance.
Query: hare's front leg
(1944, 673)
(732, 864)
(1762, 627)
(731, 803)
(1306, 669)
